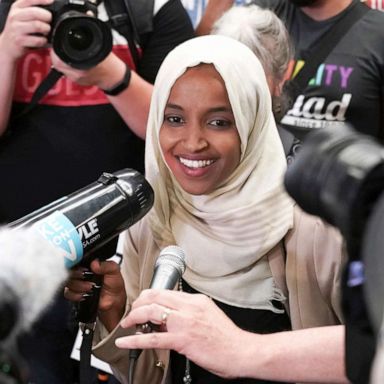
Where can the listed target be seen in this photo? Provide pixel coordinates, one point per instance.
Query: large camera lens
(338, 175)
(80, 40)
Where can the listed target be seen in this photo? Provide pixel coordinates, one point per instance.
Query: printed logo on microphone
(89, 233)
(60, 232)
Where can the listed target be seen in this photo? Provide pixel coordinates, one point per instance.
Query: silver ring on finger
(165, 314)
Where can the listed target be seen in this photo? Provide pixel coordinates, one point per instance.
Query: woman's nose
(195, 139)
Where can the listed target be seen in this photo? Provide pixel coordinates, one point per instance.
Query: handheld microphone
(169, 267)
(85, 220)
(88, 219)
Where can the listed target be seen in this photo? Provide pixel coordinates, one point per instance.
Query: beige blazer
(307, 265)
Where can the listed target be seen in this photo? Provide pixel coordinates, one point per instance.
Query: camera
(79, 39)
(339, 176)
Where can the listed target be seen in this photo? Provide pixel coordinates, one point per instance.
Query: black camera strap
(121, 19)
(322, 48)
(48, 82)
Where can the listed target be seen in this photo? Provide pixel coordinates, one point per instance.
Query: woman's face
(198, 137)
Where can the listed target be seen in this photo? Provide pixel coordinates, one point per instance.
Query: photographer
(75, 132)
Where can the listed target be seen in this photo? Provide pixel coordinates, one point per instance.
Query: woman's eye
(174, 120)
(221, 123)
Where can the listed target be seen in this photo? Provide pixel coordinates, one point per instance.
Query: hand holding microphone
(169, 267)
(194, 326)
(81, 223)
(112, 301)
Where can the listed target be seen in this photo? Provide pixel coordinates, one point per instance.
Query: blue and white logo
(60, 232)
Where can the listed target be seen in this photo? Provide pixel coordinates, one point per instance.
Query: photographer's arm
(172, 26)
(213, 11)
(132, 103)
(24, 20)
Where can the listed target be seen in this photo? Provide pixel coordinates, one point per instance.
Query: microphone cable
(132, 365)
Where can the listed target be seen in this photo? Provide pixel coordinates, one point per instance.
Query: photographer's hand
(104, 75)
(132, 104)
(27, 26)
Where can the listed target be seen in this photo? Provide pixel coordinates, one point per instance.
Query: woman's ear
(278, 88)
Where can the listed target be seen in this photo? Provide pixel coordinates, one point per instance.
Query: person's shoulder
(371, 28)
(377, 17)
(312, 229)
(140, 230)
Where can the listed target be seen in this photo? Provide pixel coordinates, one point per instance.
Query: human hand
(27, 26)
(104, 75)
(112, 295)
(193, 326)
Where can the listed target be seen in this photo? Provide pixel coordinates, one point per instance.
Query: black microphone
(88, 219)
(83, 221)
(169, 267)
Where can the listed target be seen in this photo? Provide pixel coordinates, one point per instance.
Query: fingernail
(87, 275)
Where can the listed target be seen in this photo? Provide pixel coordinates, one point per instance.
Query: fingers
(27, 26)
(153, 313)
(152, 340)
(77, 286)
(173, 299)
(105, 267)
(31, 3)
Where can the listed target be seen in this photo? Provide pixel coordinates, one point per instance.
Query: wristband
(121, 85)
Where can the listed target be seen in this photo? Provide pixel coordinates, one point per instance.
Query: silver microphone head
(174, 256)
(169, 267)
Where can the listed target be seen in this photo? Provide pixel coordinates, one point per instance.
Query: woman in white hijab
(216, 163)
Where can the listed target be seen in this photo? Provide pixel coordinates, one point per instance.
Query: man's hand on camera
(27, 26)
(104, 75)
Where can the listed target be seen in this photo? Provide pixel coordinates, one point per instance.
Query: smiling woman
(200, 142)
(216, 163)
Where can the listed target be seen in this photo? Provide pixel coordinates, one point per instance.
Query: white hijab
(226, 233)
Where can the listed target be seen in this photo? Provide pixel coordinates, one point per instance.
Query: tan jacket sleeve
(315, 258)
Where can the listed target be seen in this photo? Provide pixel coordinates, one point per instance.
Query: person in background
(215, 161)
(348, 87)
(265, 34)
(91, 121)
(375, 4)
(204, 13)
(214, 9)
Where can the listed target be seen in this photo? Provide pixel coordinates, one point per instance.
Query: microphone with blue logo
(86, 220)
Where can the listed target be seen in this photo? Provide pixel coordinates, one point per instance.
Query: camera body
(81, 40)
(338, 175)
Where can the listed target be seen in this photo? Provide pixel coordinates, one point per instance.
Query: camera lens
(80, 40)
(338, 175)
